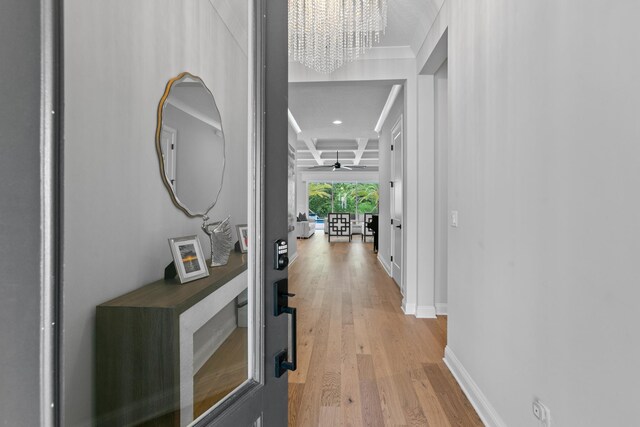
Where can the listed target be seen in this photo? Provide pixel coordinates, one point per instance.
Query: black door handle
(281, 305)
(399, 226)
(282, 365)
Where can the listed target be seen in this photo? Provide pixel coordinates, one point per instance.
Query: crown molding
(383, 52)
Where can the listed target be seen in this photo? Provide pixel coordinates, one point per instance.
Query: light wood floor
(361, 361)
(223, 372)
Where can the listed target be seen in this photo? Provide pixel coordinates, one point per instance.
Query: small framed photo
(189, 258)
(243, 237)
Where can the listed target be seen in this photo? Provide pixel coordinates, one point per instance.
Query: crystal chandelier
(324, 34)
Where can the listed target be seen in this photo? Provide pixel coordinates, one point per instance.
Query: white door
(396, 203)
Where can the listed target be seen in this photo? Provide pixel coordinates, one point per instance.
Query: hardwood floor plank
(371, 408)
(411, 407)
(347, 309)
(295, 398)
(438, 333)
(361, 361)
(330, 416)
(331, 377)
(429, 401)
(360, 326)
(350, 381)
(384, 369)
(310, 405)
(450, 397)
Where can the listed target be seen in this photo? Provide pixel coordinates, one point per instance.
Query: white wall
(384, 220)
(441, 122)
(543, 278)
(118, 215)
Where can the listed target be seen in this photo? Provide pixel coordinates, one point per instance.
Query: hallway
(361, 361)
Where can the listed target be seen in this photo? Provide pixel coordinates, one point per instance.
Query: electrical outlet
(541, 412)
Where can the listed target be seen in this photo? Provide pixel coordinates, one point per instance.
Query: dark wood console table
(137, 354)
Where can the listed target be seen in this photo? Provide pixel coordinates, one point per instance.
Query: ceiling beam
(293, 123)
(311, 145)
(331, 155)
(187, 109)
(395, 90)
(362, 144)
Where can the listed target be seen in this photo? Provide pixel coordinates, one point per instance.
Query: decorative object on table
(325, 35)
(243, 237)
(221, 240)
(188, 258)
(339, 225)
(190, 145)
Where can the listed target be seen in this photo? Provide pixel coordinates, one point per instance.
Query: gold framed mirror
(190, 144)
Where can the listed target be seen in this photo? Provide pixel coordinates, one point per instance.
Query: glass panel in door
(163, 293)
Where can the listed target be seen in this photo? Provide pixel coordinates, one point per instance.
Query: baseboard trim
(212, 345)
(293, 258)
(408, 309)
(386, 267)
(426, 312)
(441, 309)
(479, 401)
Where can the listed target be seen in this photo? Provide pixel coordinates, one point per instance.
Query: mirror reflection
(191, 145)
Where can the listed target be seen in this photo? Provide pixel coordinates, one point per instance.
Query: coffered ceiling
(358, 105)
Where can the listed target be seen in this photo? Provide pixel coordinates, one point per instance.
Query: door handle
(281, 305)
(399, 226)
(282, 364)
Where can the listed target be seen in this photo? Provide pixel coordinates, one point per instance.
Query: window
(348, 197)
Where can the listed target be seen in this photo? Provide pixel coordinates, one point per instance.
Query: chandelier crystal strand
(324, 34)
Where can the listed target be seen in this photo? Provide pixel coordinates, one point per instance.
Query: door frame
(171, 167)
(399, 124)
(436, 57)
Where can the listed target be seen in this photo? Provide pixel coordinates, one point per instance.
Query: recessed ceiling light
(337, 122)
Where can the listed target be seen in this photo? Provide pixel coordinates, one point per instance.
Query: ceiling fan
(337, 166)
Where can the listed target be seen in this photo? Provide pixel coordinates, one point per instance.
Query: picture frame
(243, 237)
(188, 258)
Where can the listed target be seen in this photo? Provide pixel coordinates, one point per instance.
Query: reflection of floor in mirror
(223, 372)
